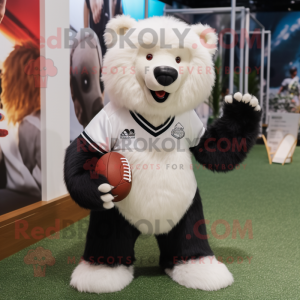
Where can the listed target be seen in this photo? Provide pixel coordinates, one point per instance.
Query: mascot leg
(186, 255)
(107, 264)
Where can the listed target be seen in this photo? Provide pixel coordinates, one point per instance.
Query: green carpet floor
(266, 195)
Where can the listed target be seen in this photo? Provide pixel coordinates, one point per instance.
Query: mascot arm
(227, 141)
(81, 181)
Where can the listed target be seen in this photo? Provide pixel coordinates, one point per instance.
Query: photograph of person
(96, 15)
(87, 90)
(21, 148)
(2, 9)
(20, 129)
(86, 85)
(290, 86)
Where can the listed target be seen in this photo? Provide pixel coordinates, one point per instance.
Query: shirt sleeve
(30, 145)
(98, 133)
(285, 83)
(196, 129)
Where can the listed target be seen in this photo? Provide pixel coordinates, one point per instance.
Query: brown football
(115, 167)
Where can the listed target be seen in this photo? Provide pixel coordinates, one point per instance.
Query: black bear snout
(165, 75)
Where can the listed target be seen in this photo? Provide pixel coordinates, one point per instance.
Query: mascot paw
(246, 98)
(205, 273)
(107, 198)
(100, 278)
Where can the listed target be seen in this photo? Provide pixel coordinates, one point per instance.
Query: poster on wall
(284, 73)
(280, 125)
(20, 129)
(88, 19)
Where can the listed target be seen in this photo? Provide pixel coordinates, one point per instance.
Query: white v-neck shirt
(163, 181)
(118, 129)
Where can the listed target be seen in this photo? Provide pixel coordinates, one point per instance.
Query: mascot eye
(178, 59)
(149, 56)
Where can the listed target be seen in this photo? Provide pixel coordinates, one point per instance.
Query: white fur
(108, 205)
(206, 274)
(257, 108)
(208, 35)
(100, 278)
(238, 96)
(105, 188)
(120, 22)
(228, 99)
(160, 59)
(107, 198)
(246, 98)
(159, 197)
(130, 89)
(254, 101)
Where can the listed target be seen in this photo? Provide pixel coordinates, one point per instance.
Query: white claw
(105, 188)
(228, 99)
(108, 205)
(254, 101)
(238, 96)
(107, 198)
(246, 98)
(257, 108)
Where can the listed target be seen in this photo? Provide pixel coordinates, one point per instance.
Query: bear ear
(120, 25)
(208, 37)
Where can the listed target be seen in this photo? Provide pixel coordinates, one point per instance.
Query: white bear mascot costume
(156, 71)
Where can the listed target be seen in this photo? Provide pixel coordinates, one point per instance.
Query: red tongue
(160, 94)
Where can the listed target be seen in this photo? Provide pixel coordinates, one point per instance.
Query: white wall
(55, 100)
(76, 14)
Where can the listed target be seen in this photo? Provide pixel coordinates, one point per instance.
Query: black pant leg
(110, 239)
(187, 239)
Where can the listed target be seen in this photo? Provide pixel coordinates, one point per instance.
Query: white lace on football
(126, 167)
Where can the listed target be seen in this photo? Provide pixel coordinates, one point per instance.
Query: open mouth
(160, 96)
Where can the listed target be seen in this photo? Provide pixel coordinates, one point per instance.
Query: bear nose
(165, 75)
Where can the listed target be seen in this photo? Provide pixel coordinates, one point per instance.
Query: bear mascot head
(159, 66)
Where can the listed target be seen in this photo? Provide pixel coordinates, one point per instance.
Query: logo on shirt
(127, 134)
(178, 131)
